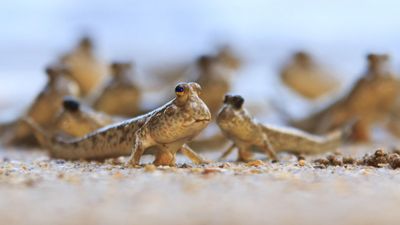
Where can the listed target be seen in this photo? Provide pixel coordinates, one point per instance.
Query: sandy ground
(37, 190)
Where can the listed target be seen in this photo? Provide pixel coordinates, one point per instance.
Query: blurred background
(264, 33)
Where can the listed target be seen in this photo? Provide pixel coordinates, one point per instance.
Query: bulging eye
(227, 99)
(179, 90)
(71, 104)
(238, 101)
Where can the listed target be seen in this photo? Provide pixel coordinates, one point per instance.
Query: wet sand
(37, 190)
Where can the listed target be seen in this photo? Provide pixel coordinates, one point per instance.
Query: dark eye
(179, 89)
(238, 101)
(227, 98)
(71, 104)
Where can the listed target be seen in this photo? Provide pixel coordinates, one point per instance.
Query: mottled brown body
(45, 106)
(85, 67)
(121, 96)
(77, 120)
(245, 132)
(306, 78)
(110, 141)
(167, 128)
(371, 100)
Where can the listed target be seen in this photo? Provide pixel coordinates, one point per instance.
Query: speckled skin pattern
(245, 132)
(77, 120)
(167, 128)
(121, 97)
(45, 106)
(371, 100)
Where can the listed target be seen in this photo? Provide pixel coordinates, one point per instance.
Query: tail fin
(42, 137)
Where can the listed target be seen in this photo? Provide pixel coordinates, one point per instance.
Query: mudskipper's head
(86, 44)
(57, 70)
(183, 118)
(186, 93)
(205, 63)
(70, 104)
(231, 110)
(232, 114)
(378, 64)
(73, 120)
(61, 81)
(302, 58)
(228, 58)
(189, 101)
(76, 120)
(234, 101)
(118, 69)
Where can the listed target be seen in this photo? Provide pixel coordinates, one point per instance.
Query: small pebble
(196, 170)
(150, 168)
(256, 163)
(300, 157)
(118, 175)
(394, 160)
(225, 165)
(185, 166)
(322, 161)
(211, 170)
(60, 161)
(333, 161)
(348, 160)
(255, 171)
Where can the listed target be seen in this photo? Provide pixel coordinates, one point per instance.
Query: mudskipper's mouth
(196, 121)
(202, 120)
